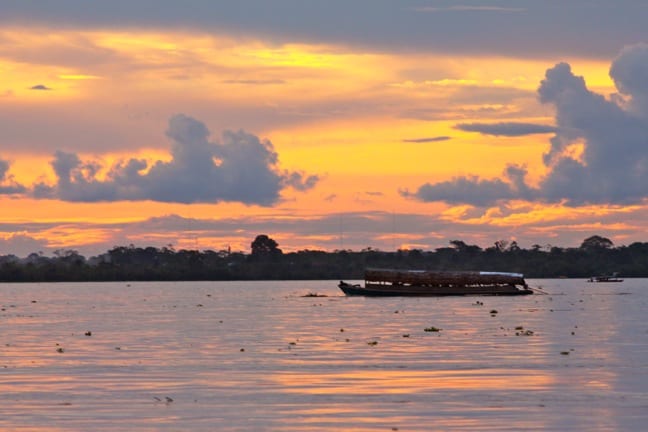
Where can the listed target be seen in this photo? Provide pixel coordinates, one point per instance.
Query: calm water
(258, 356)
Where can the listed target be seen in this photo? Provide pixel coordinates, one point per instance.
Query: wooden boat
(388, 282)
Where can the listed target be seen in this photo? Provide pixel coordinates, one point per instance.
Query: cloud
(473, 190)
(613, 134)
(8, 185)
(597, 28)
(21, 244)
(629, 72)
(40, 87)
(241, 168)
(510, 129)
(427, 140)
(300, 181)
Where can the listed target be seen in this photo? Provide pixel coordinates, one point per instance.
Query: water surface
(260, 356)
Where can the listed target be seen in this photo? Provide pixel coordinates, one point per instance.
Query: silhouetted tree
(596, 242)
(264, 246)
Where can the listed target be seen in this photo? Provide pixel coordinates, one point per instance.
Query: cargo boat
(392, 282)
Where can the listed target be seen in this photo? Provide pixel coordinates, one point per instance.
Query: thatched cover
(446, 278)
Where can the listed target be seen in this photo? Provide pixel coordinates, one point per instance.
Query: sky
(326, 125)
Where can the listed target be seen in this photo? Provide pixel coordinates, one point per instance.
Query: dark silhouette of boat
(391, 282)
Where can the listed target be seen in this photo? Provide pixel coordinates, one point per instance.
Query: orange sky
(370, 125)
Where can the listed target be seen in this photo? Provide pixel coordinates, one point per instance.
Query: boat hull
(377, 290)
(393, 282)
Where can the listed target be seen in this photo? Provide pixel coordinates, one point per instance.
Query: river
(300, 356)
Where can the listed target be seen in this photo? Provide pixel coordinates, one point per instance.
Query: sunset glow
(104, 126)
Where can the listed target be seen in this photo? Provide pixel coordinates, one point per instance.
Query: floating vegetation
(314, 295)
(372, 343)
(432, 329)
(166, 400)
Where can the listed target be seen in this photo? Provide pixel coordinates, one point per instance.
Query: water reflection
(259, 356)
(382, 382)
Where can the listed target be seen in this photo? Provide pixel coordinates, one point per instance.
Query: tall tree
(263, 246)
(596, 242)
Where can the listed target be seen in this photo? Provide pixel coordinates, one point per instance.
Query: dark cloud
(21, 244)
(629, 72)
(8, 185)
(4, 169)
(39, 87)
(464, 190)
(299, 181)
(240, 168)
(510, 129)
(427, 140)
(466, 26)
(613, 133)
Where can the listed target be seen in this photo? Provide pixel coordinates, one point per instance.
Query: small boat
(614, 277)
(389, 282)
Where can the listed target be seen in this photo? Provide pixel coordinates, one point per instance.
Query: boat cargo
(392, 282)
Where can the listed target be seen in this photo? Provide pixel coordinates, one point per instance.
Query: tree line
(266, 261)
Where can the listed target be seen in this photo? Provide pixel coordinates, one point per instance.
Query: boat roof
(374, 271)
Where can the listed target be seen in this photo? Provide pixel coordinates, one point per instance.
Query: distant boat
(390, 282)
(612, 278)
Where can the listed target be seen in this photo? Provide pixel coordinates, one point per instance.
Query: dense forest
(596, 256)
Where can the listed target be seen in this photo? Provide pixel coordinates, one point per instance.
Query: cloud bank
(452, 26)
(241, 167)
(613, 133)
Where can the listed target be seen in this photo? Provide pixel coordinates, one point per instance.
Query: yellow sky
(369, 124)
